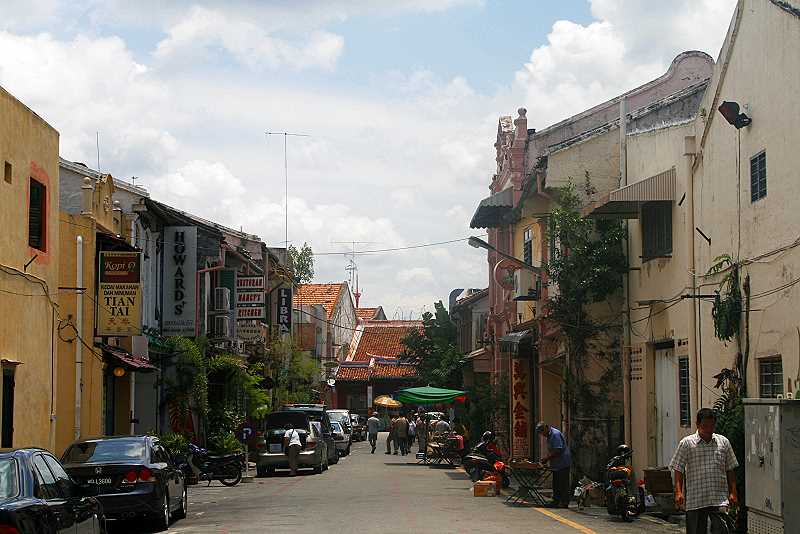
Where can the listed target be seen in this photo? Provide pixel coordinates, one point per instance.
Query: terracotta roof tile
(366, 313)
(326, 294)
(394, 370)
(381, 339)
(353, 374)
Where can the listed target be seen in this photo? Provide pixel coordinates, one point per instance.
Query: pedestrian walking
(401, 434)
(390, 439)
(705, 480)
(422, 433)
(373, 426)
(291, 444)
(412, 432)
(560, 461)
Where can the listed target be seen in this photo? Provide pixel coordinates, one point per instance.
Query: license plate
(99, 481)
(275, 447)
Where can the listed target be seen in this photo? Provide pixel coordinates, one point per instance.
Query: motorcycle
(619, 498)
(486, 458)
(226, 468)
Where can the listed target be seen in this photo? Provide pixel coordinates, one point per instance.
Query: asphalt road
(368, 493)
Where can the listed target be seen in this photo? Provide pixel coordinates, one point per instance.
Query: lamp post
(477, 242)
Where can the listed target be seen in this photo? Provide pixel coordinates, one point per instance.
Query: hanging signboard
(249, 283)
(285, 310)
(520, 411)
(180, 278)
(249, 298)
(250, 312)
(249, 329)
(119, 294)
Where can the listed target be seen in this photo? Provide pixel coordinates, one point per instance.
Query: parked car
(359, 427)
(135, 476)
(343, 418)
(272, 454)
(340, 438)
(37, 496)
(317, 412)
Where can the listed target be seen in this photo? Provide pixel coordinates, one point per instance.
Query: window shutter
(36, 223)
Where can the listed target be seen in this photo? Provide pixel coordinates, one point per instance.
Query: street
(379, 493)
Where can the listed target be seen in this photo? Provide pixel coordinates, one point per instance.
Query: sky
(398, 101)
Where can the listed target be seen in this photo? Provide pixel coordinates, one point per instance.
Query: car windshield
(336, 426)
(9, 479)
(106, 451)
(281, 419)
(338, 416)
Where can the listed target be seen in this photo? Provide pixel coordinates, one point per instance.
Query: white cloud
(206, 29)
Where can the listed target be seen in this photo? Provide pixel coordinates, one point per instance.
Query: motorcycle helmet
(624, 450)
(488, 436)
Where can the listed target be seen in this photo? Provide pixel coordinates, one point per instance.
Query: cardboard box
(484, 488)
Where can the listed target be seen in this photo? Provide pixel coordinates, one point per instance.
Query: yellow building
(90, 223)
(29, 248)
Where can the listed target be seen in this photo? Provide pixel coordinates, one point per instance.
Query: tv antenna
(286, 135)
(352, 266)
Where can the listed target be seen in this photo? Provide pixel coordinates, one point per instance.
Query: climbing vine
(727, 311)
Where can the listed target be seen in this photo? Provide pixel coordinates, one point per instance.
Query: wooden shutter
(36, 215)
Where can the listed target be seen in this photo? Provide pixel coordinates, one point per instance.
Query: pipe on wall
(79, 326)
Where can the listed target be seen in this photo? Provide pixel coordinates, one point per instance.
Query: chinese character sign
(119, 295)
(520, 411)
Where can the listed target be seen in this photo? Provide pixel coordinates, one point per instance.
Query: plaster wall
(30, 147)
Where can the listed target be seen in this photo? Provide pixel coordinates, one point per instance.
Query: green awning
(428, 395)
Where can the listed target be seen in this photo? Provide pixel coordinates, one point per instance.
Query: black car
(37, 496)
(317, 412)
(136, 477)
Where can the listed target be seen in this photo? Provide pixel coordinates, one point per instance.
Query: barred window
(758, 176)
(527, 246)
(770, 374)
(656, 224)
(683, 383)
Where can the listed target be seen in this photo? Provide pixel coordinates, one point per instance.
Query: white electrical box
(772, 465)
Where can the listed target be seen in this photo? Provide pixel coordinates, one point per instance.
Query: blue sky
(402, 98)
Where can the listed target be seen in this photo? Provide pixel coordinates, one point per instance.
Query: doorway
(7, 439)
(666, 404)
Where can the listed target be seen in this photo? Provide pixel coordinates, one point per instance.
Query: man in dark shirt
(560, 461)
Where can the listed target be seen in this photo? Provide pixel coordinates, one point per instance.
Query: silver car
(341, 439)
(272, 456)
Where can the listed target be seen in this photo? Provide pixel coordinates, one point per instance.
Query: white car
(341, 438)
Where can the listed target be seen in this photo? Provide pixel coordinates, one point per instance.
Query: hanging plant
(727, 311)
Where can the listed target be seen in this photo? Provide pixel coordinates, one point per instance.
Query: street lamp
(477, 242)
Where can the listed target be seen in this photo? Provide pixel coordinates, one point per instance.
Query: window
(62, 478)
(527, 247)
(770, 374)
(683, 383)
(36, 215)
(758, 176)
(159, 455)
(656, 224)
(8, 172)
(47, 487)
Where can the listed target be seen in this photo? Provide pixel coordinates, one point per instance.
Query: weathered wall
(761, 69)
(30, 146)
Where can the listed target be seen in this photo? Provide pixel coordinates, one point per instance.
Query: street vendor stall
(429, 395)
(440, 447)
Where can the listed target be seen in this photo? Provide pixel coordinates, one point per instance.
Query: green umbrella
(428, 395)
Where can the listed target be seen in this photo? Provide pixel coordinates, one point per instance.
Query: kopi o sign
(119, 294)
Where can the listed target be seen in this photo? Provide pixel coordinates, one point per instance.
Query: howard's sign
(180, 278)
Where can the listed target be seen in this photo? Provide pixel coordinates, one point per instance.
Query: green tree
(434, 350)
(302, 261)
(586, 265)
(295, 372)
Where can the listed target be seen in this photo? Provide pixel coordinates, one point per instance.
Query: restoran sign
(119, 294)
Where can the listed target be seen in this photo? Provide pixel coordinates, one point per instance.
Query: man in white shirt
(706, 462)
(373, 426)
(442, 426)
(292, 446)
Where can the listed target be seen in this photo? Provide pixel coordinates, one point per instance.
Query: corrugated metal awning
(492, 210)
(626, 202)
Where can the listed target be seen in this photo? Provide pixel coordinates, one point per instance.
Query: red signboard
(520, 409)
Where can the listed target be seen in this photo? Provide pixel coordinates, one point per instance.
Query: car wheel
(161, 521)
(180, 513)
(261, 471)
(318, 468)
(335, 457)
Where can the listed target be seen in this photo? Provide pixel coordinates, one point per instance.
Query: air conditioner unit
(222, 299)
(523, 282)
(222, 326)
(240, 346)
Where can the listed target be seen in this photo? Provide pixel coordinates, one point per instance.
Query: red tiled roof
(394, 370)
(381, 338)
(354, 374)
(326, 294)
(366, 313)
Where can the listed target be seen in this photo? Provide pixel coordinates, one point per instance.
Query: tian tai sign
(180, 278)
(119, 294)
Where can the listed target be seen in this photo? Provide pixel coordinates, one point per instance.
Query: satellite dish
(331, 382)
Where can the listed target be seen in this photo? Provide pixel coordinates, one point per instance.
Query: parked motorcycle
(226, 468)
(486, 458)
(620, 498)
